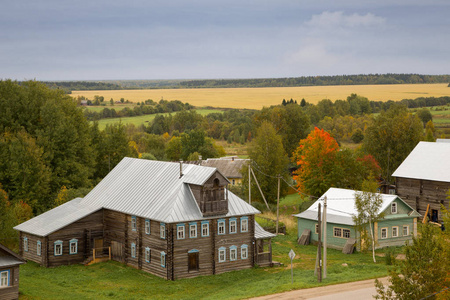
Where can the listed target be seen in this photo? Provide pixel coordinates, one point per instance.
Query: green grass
(112, 280)
(145, 119)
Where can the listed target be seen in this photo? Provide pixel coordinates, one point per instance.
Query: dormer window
(393, 208)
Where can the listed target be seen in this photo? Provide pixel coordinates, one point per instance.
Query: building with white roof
(398, 224)
(171, 219)
(423, 178)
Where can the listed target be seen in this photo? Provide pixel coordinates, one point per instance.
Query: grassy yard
(112, 280)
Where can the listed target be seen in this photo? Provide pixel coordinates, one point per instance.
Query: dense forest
(256, 82)
(51, 153)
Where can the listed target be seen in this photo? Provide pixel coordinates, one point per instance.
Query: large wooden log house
(168, 219)
(424, 178)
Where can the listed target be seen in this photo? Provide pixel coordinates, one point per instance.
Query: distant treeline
(69, 86)
(317, 80)
(257, 82)
(147, 107)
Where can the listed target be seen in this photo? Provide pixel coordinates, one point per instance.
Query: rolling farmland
(256, 98)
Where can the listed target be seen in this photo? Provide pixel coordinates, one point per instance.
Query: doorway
(193, 261)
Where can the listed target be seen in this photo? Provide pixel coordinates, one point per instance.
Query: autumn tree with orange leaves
(321, 165)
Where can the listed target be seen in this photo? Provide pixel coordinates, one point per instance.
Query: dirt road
(360, 290)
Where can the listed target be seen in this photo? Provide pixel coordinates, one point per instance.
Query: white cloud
(337, 19)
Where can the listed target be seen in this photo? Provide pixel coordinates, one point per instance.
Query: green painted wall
(389, 223)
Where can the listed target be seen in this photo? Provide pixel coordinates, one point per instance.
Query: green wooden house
(394, 229)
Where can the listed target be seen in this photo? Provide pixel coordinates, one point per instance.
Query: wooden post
(318, 269)
(257, 184)
(249, 184)
(278, 203)
(325, 237)
(93, 255)
(109, 252)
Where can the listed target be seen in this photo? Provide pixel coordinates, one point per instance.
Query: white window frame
(163, 259)
(233, 253)
(334, 232)
(205, 228)
(385, 230)
(222, 254)
(221, 227)
(181, 234)
(407, 230)
(55, 247)
(244, 252)
(133, 250)
(147, 226)
(162, 231)
(4, 278)
(192, 230)
(244, 224)
(133, 223)
(394, 208)
(25, 244)
(233, 225)
(38, 248)
(72, 242)
(395, 228)
(346, 230)
(147, 254)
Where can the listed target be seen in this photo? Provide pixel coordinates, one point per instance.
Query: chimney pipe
(181, 168)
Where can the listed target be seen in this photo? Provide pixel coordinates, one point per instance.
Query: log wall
(11, 292)
(418, 193)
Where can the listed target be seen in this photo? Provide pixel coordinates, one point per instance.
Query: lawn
(112, 280)
(146, 119)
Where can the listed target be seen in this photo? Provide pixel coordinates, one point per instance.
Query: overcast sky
(189, 39)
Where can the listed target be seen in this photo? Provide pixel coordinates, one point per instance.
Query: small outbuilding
(9, 273)
(394, 229)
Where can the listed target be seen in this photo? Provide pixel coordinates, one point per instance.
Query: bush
(390, 255)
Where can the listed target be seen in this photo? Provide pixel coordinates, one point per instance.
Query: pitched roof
(341, 206)
(260, 233)
(230, 167)
(429, 161)
(9, 258)
(143, 188)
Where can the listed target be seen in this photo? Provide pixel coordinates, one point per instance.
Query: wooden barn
(424, 178)
(228, 166)
(9, 273)
(397, 226)
(168, 219)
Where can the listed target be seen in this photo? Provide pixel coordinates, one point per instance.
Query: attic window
(216, 182)
(393, 208)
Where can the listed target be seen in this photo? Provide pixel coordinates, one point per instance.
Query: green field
(146, 119)
(112, 280)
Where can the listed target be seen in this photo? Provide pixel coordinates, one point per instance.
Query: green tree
(174, 149)
(367, 203)
(424, 115)
(430, 132)
(268, 158)
(391, 137)
(196, 141)
(424, 272)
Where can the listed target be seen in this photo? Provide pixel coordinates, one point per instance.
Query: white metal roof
(260, 233)
(340, 206)
(429, 161)
(144, 188)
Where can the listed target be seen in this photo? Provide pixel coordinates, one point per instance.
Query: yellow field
(256, 98)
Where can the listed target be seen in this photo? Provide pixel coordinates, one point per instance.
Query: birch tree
(367, 204)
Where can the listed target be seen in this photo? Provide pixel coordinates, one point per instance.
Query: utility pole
(318, 269)
(325, 237)
(249, 183)
(278, 202)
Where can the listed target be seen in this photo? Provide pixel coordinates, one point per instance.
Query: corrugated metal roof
(341, 206)
(429, 161)
(57, 218)
(9, 258)
(144, 188)
(230, 167)
(442, 140)
(260, 233)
